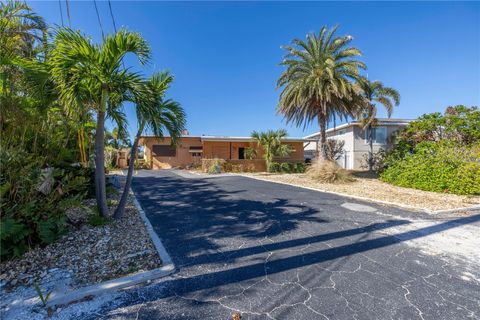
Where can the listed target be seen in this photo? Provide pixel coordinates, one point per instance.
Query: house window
(163, 150)
(196, 154)
(379, 135)
(241, 153)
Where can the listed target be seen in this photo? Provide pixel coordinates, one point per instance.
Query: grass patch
(95, 220)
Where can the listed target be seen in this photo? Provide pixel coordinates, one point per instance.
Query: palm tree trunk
(100, 188)
(322, 145)
(370, 148)
(131, 164)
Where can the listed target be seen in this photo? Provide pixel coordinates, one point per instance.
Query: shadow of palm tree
(195, 215)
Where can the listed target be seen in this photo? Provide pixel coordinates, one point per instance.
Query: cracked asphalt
(271, 251)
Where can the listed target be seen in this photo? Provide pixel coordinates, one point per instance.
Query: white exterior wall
(355, 145)
(347, 136)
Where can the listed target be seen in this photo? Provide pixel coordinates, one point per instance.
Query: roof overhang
(381, 122)
(247, 139)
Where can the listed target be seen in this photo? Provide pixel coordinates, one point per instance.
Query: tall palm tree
(318, 81)
(271, 142)
(90, 75)
(375, 93)
(22, 35)
(157, 115)
(21, 29)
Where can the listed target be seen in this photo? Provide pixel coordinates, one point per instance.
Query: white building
(356, 140)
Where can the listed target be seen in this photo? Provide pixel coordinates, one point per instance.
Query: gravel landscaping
(374, 189)
(85, 255)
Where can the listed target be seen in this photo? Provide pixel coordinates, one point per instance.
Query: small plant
(378, 160)
(299, 168)
(132, 268)
(329, 172)
(215, 167)
(111, 190)
(285, 167)
(273, 167)
(96, 220)
(40, 295)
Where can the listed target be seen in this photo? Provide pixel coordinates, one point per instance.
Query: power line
(111, 14)
(68, 13)
(98, 17)
(114, 25)
(61, 11)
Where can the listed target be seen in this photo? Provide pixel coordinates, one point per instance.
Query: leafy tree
(318, 82)
(156, 114)
(91, 76)
(271, 142)
(438, 152)
(21, 36)
(375, 93)
(117, 138)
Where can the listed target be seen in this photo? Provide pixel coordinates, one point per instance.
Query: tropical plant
(438, 152)
(91, 77)
(375, 93)
(33, 200)
(250, 153)
(271, 142)
(318, 82)
(156, 114)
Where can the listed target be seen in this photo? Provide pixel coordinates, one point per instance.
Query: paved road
(272, 251)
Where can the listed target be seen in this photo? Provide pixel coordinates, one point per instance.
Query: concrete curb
(388, 203)
(167, 268)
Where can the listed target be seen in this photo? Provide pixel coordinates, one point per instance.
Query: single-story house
(191, 150)
(356, 140)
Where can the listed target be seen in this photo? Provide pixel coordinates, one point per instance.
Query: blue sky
(225, 55)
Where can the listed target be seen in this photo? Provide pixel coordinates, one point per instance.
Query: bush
(328, 172)
(378, 160)
(213, 166)
(439, 167)
(286, 167)
(438, 152)
(299, 168)
(274, 167)
(33, 201)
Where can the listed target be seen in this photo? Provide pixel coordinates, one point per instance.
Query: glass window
(379, 135)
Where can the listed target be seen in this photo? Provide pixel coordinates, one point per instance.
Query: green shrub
(33, 201)
(286, 167)
(273, 167)
(439, 167)
(299, 167)
(97, 220)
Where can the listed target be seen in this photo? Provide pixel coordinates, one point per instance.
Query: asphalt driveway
(272, 251)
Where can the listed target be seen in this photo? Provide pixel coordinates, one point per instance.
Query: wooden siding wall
(182, 158)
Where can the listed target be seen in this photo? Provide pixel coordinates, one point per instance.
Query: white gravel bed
(84, 256)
